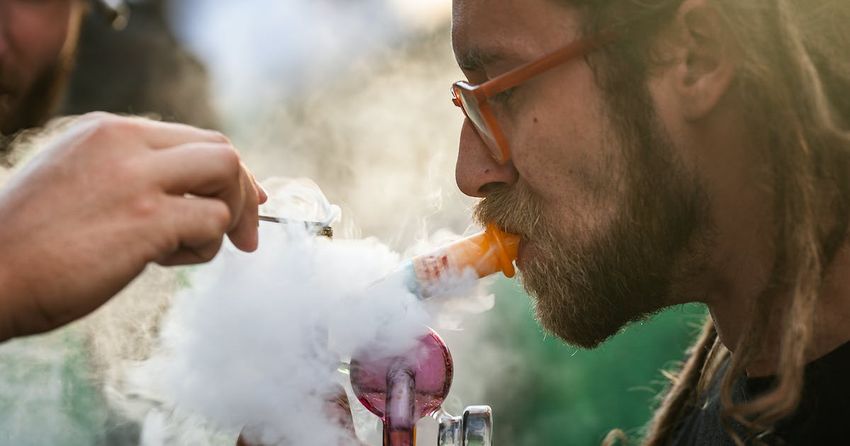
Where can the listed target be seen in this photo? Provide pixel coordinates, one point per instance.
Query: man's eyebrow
(475, 59)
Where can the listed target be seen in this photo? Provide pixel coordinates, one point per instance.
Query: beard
(588, 285)
(31, 107)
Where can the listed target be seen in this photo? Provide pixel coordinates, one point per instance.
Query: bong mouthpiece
(485, 253)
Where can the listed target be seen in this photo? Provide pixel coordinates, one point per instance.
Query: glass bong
(401, 390)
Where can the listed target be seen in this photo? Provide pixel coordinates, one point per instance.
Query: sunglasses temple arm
(521, 74)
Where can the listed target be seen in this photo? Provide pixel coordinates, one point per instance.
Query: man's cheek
(41, 39)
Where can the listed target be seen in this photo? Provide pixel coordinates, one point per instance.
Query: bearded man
(661, 152)
(105, 195)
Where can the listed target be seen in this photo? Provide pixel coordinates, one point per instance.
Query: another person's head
(680, 135)
(37, 43)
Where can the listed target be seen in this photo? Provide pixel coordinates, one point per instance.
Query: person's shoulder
(824, 411)
(821, 418)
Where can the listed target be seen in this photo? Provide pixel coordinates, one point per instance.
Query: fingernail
(262, 194)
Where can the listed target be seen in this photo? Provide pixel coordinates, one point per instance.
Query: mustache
(513, 208)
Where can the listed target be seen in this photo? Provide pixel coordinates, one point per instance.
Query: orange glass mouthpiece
(485, 253)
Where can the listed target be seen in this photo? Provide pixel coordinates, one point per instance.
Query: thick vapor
(255, 341)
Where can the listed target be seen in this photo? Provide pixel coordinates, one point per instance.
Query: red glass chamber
(402, 389)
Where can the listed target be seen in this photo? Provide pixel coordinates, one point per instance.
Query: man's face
(36, 44)
(608, 215)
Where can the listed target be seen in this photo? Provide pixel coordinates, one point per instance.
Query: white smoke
(275, 49)
(255, 341)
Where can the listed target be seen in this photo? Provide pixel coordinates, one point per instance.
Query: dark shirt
(822, 418)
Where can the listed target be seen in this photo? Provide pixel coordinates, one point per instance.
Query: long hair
(794, 81)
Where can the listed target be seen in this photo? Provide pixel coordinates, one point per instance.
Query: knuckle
(229, 159)
(209, 252)
(108, 127)
(219, 219)
(145, 207)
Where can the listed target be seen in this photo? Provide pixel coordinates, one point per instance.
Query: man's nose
(476, 171)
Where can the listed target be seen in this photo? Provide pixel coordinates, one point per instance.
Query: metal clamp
(474, 428)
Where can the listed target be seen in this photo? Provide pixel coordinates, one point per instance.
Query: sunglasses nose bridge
(493, 144)
(473, 103)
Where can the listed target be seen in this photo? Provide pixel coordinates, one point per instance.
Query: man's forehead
(482, 20)
(488, 31)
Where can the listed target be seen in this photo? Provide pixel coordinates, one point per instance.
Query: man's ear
(708, 67)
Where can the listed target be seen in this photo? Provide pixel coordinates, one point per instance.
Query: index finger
(160, 135)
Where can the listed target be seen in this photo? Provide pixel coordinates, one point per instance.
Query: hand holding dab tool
(485, 253)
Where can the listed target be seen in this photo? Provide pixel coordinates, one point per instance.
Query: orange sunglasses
(472, 99)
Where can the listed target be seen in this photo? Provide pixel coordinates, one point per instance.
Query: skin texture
(37, 40)
(674, 163)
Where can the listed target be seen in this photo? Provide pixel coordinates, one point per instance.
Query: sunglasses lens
(473, 112)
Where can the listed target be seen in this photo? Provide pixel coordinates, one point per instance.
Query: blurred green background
(563, 395)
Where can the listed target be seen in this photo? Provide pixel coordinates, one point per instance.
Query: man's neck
(731, 157)
(830, 328)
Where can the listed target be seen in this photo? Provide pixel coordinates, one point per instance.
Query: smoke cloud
(255, 340)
